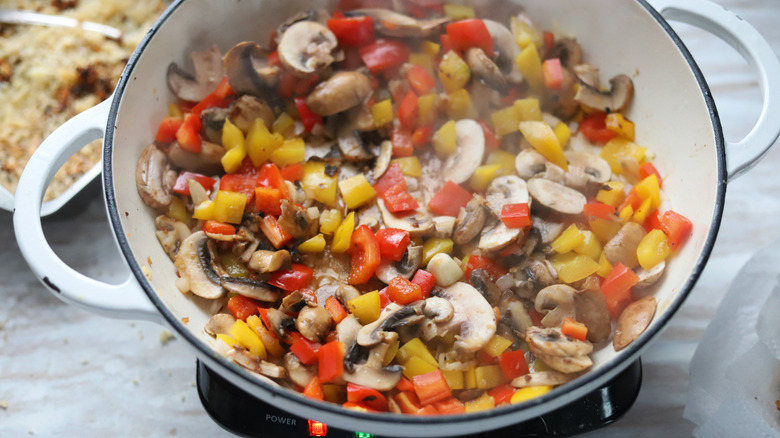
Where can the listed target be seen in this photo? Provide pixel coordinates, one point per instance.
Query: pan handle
(741, 156)
(125, 300)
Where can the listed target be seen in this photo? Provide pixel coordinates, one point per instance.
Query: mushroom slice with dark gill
(154, 178)
(508, 189)
(255, 364)
(207, 162)
(568, 50)
(469, 148)
(473, 321)
(506, 50)
(395, 24)
(392, 316)
(194, 263)
(622, 247)
(342, 91)
(481, 280)
(299, 373)
(586, 169)
(171, 233)
(248, 71)
(249, 108)
(633, 321)
(313, 322)
(264, 261)
(485, 69)
(470, 220)
(616, 100)
(418, 224)
(307, 47)
(257, 290)
(297, 221)
(556, 196)
(208, 73)
(219, 324)
(388, 269)
(649, 277)
(371, 373)
(280, 322)
(560, 352)
(556, 303)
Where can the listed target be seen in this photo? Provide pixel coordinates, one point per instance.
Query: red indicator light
(317, 428)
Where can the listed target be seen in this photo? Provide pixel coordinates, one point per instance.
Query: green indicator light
(364, 435)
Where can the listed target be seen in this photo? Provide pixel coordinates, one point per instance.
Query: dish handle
(123, 301)
(741, 156)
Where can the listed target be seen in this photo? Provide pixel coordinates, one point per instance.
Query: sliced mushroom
(307, 47)
(541, 378)
(395, 24)
(622, 247)
(269, 261)
(171, 233)
(633, 321)
(257, 290)
(443, 226)
(648, 277)
(470, 146)
(481, 280)
(342, 292)
(568, 50)
(208, 72)
(616, 100)
(383, 159)
(497, 236)
(370, 216)
(591, 308)
(560, 352)
(519, 316)
(388, 270)
(473, 323)
(352, 146)
(539, 270)
(294, 302)
(485, 69)
(417, 224)
(470, 221)
(504, 190)
(154, 178)
(556, 197)
(248, 72)
(556, 303)
(255, 364)
(297, 221)
(391, 317)
(587, 74)
(219, 324)
(194, 263)
(347, 330)
(213, 119)
(438, 309)
(548, 230)
(247, 109)
(342, 91)
(372, 374)
(530, 163)
(207, 162)
(586, 169)
(299, 373)
(280, 323)
(562, 101)
(506, 50)
(313, 322)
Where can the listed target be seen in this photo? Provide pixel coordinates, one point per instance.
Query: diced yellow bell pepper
(423, 60)
(227, 339)
(528, 109)
(525, 394)
(568, 240)
(611, 193)
(174, 110)
(454, 73)
(232, 265)
(484, 175)
(563, 133)
(445, 139)
(366, 307)
(454, 379)
(317, 185)
(604, 229)
(205, 210)
(505, 121)
(573, 267)
(430, 47)
(497, 345)
(272, 345)
(470, 377)
(620, 147)
(458, 12)
(620, 125)
(335, 393)
(626, 214)
(248, 339)
(503, 158)
(232, 159)
(605, 267)
(482, 403)
(436, 245)
(382, 113)
(524, 33)
(426, 109)
(653, 249)
(543, 139)
(460, 106)
(284, 125)
(416, 366)
(641, 213)
(292, 151)
(391, 352)
(343, 236)
(415, 348)
(315, 244)
(177, 210)
(590, 247)
(648, 188)
(330, 221)
(488, 376)
(232, 137)
(260, 143)
(229, 207)
(410, 166)
(356, 191)
(530, 66)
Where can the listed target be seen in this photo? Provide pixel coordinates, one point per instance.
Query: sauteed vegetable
(413, 210)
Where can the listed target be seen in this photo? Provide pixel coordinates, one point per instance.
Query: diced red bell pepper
(450, 406)
(398, 200)
(425, 280)
(599, 210)
(248, 168)
(366, 396)
(502, 394)
(269, 200)
(594, 128)
(336, 310)
(242, 307)
(392, 177)
(210, 101)
(331, 359)
(420, 80)
(353, 31)
(384, 297)
(632, 199)
(224, 90)
(393, 243)
(449, 200)
(297, 277)
(548, 38)
(465, 34)
(676, 227)
(384, 54)
(183, 188)
(552, 73)
(448, 46)
(407, 111)
(405, 385)
(647, 169)
(238, 183)
(492, 141)
(653, 222)
(490, 266)
(217, 227)
(576, 330)
(408, 402)
(306, 351)
(536, 317)
(308, 117)
(516, 215)
(314, 390)
(421, 136)
(402, 141)
(166, 133)
(188, 134)
(364, 249)
(513, 364)
(485, 359)
(403, 291)
(431, 387)
(617, 288)
(293, 172)
(270, 176)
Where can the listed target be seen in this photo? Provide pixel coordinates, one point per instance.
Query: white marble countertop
(64, 372)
